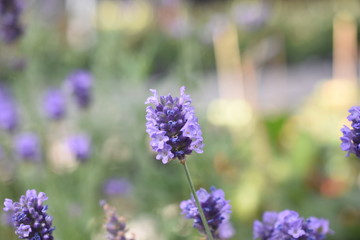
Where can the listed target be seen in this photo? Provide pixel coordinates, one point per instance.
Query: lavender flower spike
(115, 225)
(80, 146)
(8, 114)
(80, 85)
(172, 126)
(351, 137)
(216, 209)
(10, 26)
(29, 216)
(27, 146)
(290, 226)
(54, 104)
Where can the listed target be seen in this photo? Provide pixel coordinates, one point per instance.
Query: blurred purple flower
(27, 146)
(8, 111)
(117, 187)
(80, 85)
(80, 146)
(115, 225)
(351, 137)
(251, 15)
(173, 126)
(10, 26)
(216, 209)
(8, 116)
(29, 216)
(289, 225)
(54, 104)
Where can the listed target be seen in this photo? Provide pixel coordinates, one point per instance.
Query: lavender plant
(10, 26)
(54, 104)
(27, 146)
(216, 209)
(80, 146)
(115, 225)
(80, 84)
(288, 225)
(172, 126)
(175, 132)
(351, 136)
(8, 114)
(29, 216)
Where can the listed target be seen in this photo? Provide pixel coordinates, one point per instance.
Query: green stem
(202, 215)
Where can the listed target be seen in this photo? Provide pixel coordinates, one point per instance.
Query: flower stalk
(192, 188)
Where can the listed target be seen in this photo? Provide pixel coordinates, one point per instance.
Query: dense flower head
(8, 113)
(80, 85)
(288, 225)
(216, 209)
(54, 104)
(351, 136)
(27, 146)
(115, 225)
(29, 216)
(10, 26)
(80, 146)
(173, 126)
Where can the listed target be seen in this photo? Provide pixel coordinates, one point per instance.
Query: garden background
(271, 83)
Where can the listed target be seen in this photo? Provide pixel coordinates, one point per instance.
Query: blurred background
(271, 82)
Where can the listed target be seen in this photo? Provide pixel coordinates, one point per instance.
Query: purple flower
(117, 186)
(10, 26)
(8, 112)
(54, 104)
(27, 146)
(115, 225)
(216, 209)
(8, 116)
(251, 16)
(173, 126)
(226, 230)
(80, 146)
(351, 137)
(264, 229)
(288, 225)
(29, 216)
(80, 84)
(317, 228)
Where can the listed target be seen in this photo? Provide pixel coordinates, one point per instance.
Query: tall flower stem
(202, 215)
